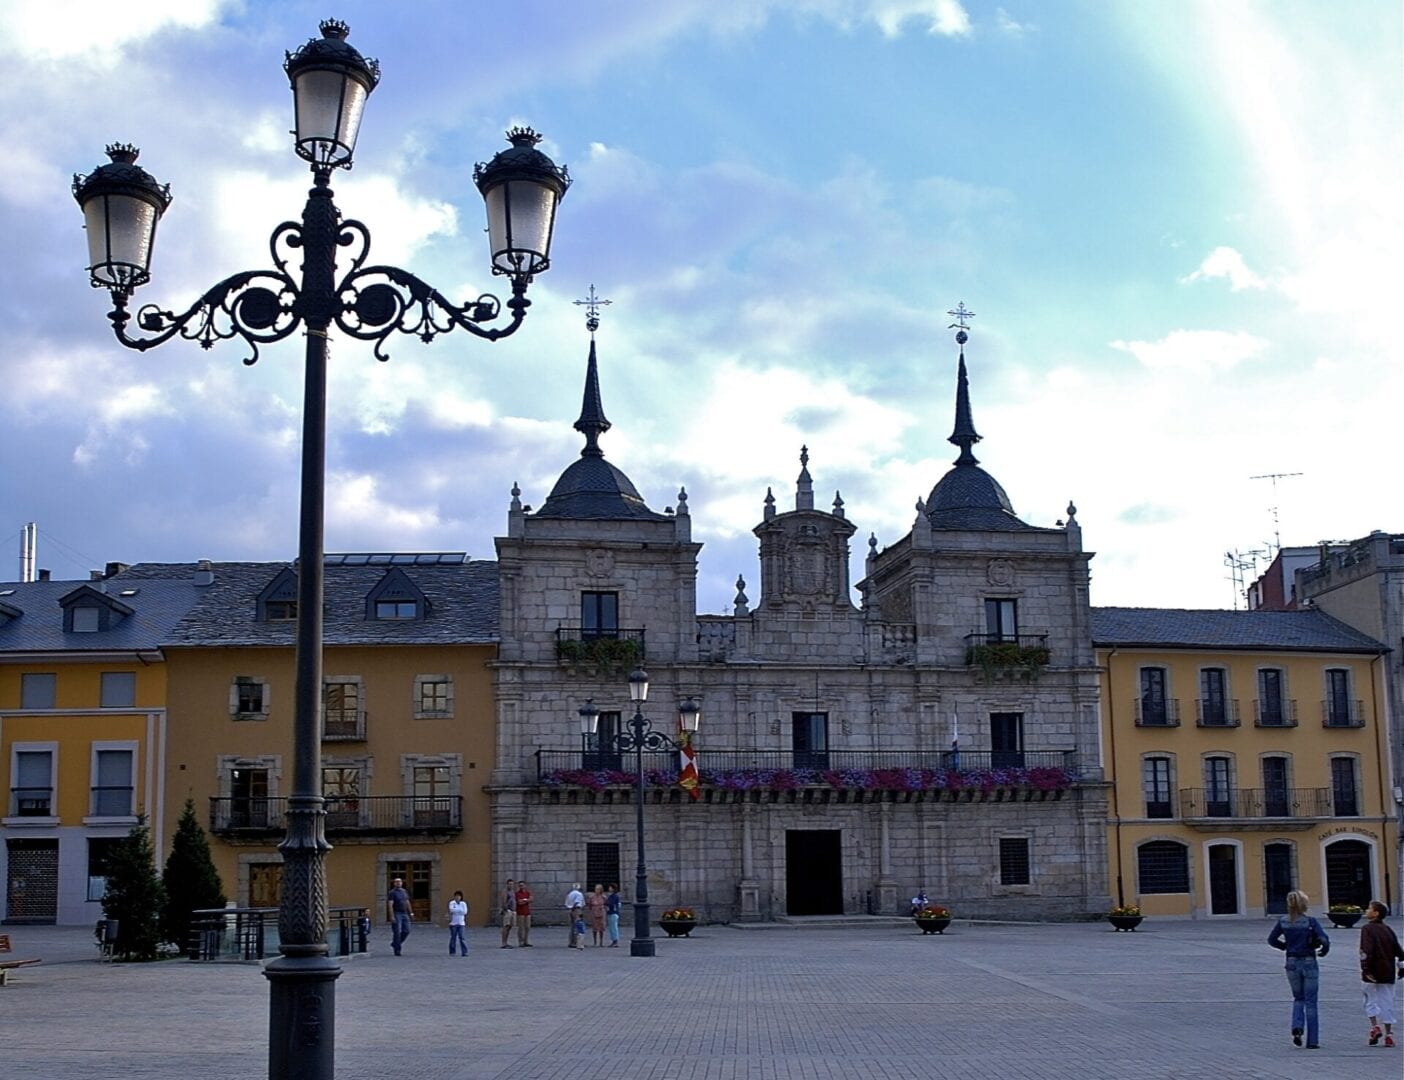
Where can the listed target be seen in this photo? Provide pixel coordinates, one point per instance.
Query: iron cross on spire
(592, 305)
(960, 326)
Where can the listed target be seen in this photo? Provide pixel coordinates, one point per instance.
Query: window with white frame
(113, 790)
(32, 789)
(433, 697)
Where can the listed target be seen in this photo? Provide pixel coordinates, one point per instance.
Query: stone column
(886, 887)
(749, 888)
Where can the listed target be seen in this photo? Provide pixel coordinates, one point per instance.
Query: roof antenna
(1275, 477)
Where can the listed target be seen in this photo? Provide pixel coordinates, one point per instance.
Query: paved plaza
(1179, 999)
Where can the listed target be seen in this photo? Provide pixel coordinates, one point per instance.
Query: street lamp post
(122, 204)
(639, 737)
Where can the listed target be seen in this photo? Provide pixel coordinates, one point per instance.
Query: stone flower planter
(1344, 920)
(933, 926)
(677, 927)
(1125, 922)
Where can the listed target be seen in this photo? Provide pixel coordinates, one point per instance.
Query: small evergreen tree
(134, 896)
(190, 879)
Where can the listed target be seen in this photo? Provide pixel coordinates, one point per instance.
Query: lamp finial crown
(334, 28)
(523, 136)
(122, 153)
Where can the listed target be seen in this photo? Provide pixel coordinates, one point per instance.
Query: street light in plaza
(638, 737)
(122, 205)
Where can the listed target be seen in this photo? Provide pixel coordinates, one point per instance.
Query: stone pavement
(1178, 999)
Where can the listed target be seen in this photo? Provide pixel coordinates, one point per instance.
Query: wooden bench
(6, 965)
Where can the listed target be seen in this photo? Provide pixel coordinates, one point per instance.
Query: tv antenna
(1240, 564)
(1275, 477)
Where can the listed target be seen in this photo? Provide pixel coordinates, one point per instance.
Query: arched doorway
(1348, 872)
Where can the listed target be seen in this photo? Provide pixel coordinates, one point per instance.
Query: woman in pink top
(595, 905)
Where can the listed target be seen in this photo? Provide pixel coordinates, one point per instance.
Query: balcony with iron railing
(1216, 712)
(32, 801)
(1157, 712)
(1280, 713)
(1265, 808)
(613, 650)
(1009, 656)
(232, 816)
(1342, 713)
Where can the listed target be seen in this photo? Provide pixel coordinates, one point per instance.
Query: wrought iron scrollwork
(642, 737)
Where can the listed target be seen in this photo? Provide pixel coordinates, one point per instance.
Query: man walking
(397, 903)
(508, 909)
(523, 915)
(575, 899)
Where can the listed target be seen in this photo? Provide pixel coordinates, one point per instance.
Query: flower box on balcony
(601, 655)
(1008, 660)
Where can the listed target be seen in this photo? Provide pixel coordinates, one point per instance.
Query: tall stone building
(943, 735)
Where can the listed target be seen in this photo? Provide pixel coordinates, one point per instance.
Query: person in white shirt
(458, 923)
(574, 899)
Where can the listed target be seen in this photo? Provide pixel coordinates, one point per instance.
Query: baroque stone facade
(942, 735)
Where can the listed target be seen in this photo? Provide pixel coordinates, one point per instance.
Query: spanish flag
(687, 766)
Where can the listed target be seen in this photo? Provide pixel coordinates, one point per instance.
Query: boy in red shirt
(523, 915)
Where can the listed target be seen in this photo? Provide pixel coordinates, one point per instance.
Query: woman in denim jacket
(1302, 938)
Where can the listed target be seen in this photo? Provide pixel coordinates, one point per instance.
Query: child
(577, 925)
(1379, 952)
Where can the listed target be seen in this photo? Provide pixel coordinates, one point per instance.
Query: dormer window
(396, 597)
(278, 601)
(88, 611)
(8, 611)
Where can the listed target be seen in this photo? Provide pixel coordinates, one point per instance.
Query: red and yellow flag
(687, 766)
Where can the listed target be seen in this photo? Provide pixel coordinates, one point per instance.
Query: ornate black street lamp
(639, 737)
(122, 204)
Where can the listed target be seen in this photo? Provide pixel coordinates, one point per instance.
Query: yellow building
(83, 727)
(1247, 756)
(407, 730)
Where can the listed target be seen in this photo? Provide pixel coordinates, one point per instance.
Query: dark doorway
(811, 740)
(813, 872)
(1348, 872)
(1006, 740)
(31, 893)
(1277, 868)
(1223, 880)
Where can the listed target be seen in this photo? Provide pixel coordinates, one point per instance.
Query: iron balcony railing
(1252, 803)
(1209, 712)
(610, 647)
(553, 762)
(1342, 712)
(1023, 641)
(235, 815)
(1282, 713)
(343, 726)
(1157, 712)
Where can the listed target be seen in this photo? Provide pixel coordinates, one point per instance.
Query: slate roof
(592, 488)
(463, 605)
(1181, 628)
(967, 497)
(160, 602)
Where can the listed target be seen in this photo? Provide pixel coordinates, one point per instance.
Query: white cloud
(93, 29)
(943, 17)
(1225, 262)
(1195, 350)
(1010, 25)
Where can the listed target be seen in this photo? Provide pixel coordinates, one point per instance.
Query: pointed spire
(516, 496)
(838, 504)
(592, 423)
(804, 486)
(964, 434)
(741, 605)
(769, 504)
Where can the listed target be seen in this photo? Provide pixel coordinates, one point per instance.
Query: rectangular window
(1338, 710)
(1001, 620)
(1013, 860)
(112, 783)
(810, 732)
(1152, 705)
(1162, 866)
(100, 851)
(1155, 779)
(435, 696)
(1213, 706)
(341, 787)
(248, 803)
(249, 696)
(86, 620)
(33, 792)
(1276, 794)
(279, 610)
(599, 614)
(1345, 801)
(1218, 787)
(602, 750)
(118, 689)
(1270, 702)
(601, 865)
(432, 799)
(396, 609)
(341, 709)
(1007, 740)
(37, 690)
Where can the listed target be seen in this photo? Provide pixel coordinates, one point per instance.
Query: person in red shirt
(523, 915)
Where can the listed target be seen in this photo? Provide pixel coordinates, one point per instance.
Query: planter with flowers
(678, 922)
(933, 919)
(1344, 915)
(1127, 917)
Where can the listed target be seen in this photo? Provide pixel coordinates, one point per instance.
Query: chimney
(95, 575)
(43, 575)
(114, 568)
(204, 573)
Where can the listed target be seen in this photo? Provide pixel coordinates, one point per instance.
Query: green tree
(190, 878)
(134, 896)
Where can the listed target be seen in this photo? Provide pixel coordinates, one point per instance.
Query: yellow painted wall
(202, 730)
(1309, 744)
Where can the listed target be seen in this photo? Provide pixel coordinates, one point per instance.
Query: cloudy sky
(1179, 225)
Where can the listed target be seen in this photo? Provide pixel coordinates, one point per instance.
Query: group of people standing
(1302, 938)
(597, 912)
